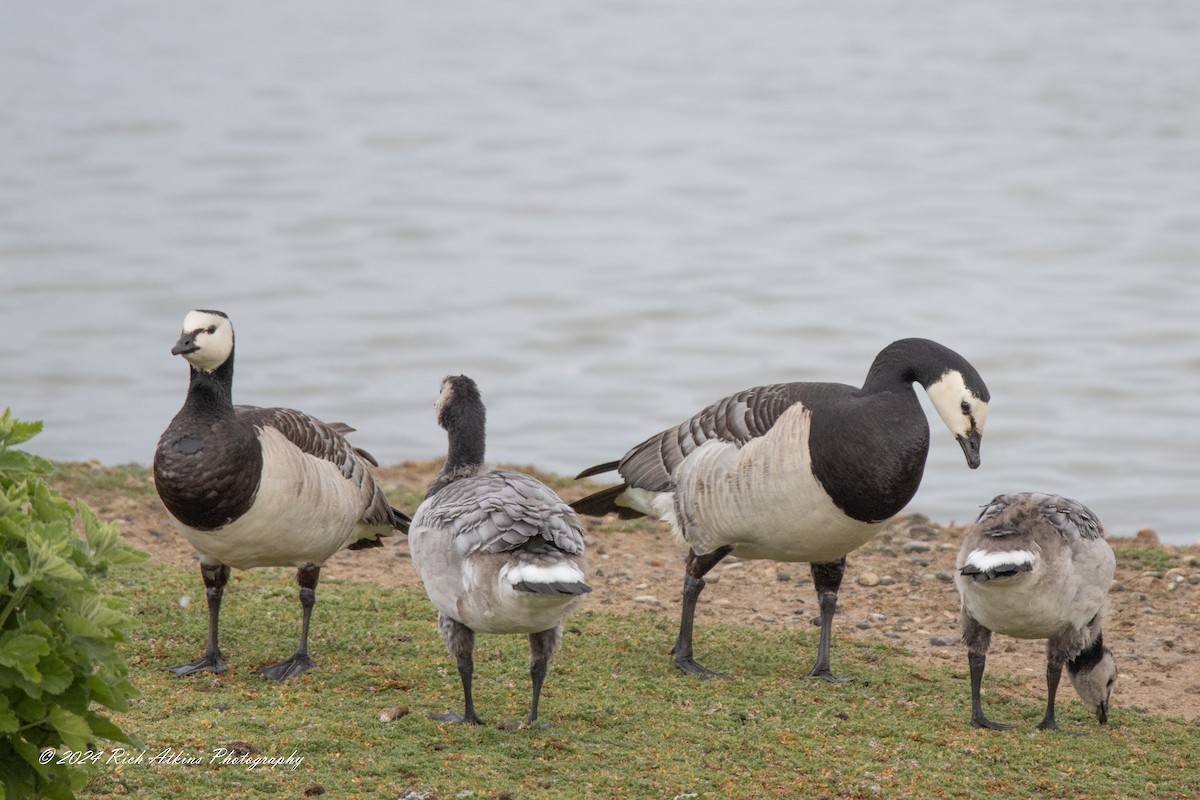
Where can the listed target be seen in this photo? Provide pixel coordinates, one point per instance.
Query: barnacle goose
(497, 550)
(796, 472)
(258, 487)
(1036, 566)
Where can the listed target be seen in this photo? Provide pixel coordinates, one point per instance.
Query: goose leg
(541, 649)
(693, 584)
(977, 661)
(827, 578)
(299, 662)
(215, 577)
(1054, 668)
(460, 642)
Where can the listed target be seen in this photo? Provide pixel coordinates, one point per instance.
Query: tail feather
(605, 502)
(599, 469)
(554, 587)
(400, 520)
(992, 573)
(983, 565)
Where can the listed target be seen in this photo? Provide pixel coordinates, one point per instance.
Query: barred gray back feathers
(500, 511)
(1071, 519)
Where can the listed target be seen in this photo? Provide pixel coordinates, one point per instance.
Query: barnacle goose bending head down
(802, 472)
(260, 487)
(497, 550)
(1036, 566)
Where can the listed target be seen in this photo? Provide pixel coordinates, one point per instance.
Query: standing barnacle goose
(498, 551)
(1036, 566)
(796, 471)
(260, 487)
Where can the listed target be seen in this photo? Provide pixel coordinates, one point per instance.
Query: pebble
(886, 580)
(920, 561)
(916, 547)
(868, 579)
(648, 599)
(863, 625)
(732, 565)
(767, 617)
(945, 577)
(782, 576)
(875, 615)
(944, 641)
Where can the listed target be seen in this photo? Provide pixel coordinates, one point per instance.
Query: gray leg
(1054, 667)
(215, 577)
(299, 662)
(460, 642)
(693, 584)
(541, 649)
(827, 579)
(978, 639)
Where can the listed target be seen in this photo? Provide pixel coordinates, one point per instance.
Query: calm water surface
(610, 214)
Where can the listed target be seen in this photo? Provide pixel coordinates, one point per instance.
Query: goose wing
(500, 511)
(328, 443)
(1072, 519)
(737, 419)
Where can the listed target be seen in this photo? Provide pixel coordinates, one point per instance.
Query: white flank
(539, 573)
(983, 560)
(764, 500)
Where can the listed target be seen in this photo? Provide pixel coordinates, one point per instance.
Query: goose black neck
(211, 393)
(1089, 657)
(465, 423)
(909, 361)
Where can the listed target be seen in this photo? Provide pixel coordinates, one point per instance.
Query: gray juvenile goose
(1036, 566)
(796, 471)
(498, 551)
(258, 487)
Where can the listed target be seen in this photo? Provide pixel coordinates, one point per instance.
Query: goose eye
(213, 329)
(966, 407)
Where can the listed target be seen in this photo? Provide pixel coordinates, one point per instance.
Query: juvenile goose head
(206, 341)
(1094, 675)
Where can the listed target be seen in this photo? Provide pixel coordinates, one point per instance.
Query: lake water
(610, 214)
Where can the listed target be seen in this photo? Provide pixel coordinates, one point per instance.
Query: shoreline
(898, 587)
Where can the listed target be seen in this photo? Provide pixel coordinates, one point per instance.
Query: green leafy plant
(58, 632)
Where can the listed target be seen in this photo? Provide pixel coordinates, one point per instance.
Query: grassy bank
(623, 722)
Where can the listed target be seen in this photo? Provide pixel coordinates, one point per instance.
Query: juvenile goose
(796, 472)
(498, 551)
(1036, 566)
(260, 487)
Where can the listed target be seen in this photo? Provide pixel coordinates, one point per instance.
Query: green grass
(624, 722)
(1145, 558)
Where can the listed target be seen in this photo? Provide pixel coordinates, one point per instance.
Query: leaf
(21, 651)
(8, 720)
(13, 431)
(73, 728)
(105, 728)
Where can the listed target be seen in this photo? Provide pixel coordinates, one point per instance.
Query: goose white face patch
(213, 338)
(959, 408)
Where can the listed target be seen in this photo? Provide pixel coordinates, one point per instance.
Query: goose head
(961, 401)
(206, 341)
(1095, 683)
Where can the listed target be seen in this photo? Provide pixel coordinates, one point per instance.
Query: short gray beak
(969, 444)
(185, 345)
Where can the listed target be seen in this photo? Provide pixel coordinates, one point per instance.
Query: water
(611, 214)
